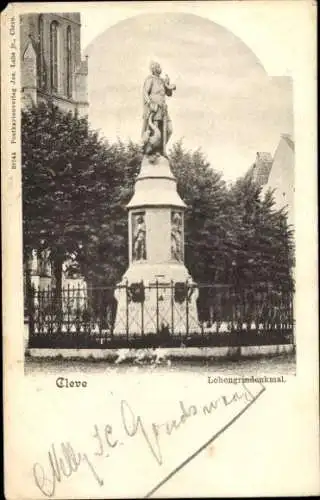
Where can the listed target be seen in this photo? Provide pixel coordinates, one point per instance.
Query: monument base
(156, 299)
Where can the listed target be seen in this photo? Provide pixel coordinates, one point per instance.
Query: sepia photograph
(158, 214)
(159, 254)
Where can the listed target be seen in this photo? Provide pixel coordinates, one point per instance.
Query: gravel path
(282, 365)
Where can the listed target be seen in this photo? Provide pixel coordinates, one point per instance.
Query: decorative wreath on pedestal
(182, 291)
(136, 292)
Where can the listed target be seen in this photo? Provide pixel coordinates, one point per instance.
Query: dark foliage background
(76, 186)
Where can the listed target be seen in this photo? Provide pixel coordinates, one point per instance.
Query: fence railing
(85, 317)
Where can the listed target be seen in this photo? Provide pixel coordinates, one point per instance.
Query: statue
(44, 263)
(139, 239)
(34, 262)
(157, 127)
(176, 236)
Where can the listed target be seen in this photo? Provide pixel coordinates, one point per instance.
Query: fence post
(233, 296)
(31, 310)
(142, 311)
(68, 306)
(111, 317)
(52, 311)
(87, 316)
(99, 315)
(48, 310)
(172, 308)
(187, 308)
(40, 310)
(157, 306)
(291, 318)
(77, 315)
(127, 311)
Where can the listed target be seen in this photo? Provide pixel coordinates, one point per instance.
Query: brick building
(261, 168)
(51, 64)
(52, 70)
(277, 173)
(281, 177)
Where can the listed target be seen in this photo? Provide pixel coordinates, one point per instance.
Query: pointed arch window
(54, 69)
(41, 68)
(69, 62)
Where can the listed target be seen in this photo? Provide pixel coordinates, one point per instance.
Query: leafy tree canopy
(76, 186)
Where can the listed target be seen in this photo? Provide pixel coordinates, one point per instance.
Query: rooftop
(260, 170)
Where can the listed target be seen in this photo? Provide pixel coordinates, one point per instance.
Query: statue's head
(140, 219)
(155, 68)
(176, 217)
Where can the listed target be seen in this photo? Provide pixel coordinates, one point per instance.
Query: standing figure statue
(44, 262)
(176, 237)
(157, 127)
(139, 239)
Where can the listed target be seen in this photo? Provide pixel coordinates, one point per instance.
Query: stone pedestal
(156, 259)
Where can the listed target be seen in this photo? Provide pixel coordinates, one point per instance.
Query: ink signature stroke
(64, 461)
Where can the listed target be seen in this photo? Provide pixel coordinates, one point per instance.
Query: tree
(207, 222)
(74, 186)
(263, 242)
(104, 259)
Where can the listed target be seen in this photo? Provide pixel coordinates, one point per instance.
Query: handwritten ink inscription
(62, 465)
(63, 461)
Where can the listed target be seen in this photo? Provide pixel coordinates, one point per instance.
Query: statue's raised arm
(169, 88)
(157, 127)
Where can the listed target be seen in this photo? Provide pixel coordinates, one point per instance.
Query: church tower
(52, 71)
(51, 66)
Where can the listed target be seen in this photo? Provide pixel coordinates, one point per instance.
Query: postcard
(159, 224)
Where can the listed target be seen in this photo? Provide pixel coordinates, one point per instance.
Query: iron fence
(84, 317)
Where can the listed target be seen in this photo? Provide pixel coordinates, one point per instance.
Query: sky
(231, 100)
